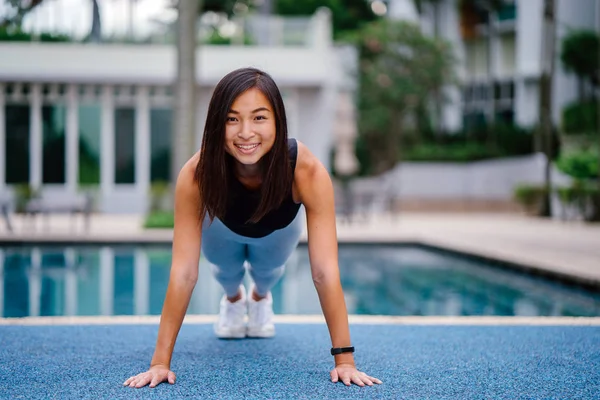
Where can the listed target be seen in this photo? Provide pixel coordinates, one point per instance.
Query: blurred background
(498, 100)
(414, 106)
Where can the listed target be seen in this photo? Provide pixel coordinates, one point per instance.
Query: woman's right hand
(155, 375)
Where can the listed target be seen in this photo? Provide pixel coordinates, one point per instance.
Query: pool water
(377, 280)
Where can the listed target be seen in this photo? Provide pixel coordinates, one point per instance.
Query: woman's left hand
(348, 374)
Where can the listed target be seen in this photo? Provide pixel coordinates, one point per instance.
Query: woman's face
(250, 127)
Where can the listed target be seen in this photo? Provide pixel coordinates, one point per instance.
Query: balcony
(53, 22)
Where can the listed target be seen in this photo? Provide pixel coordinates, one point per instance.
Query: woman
(246, 186)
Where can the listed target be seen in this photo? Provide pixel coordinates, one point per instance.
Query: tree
(347, 15)
(400, 69)
(96, 31)
(579, 55)
(184, 121)
(17, 9)
(546, 127)
(225, 6)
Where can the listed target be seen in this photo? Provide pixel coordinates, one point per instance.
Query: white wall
(450, 30)
(526, 102)
(529, 38)
(485, 180)
(310, 114)
(76, 62)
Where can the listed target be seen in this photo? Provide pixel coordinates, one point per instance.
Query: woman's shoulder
(308, 166)
(187, 179)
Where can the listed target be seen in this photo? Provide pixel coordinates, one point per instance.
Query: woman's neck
(249, 175)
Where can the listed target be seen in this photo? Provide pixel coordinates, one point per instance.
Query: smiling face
(250, 128)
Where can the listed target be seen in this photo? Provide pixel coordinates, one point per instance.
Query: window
(504, 96)
(482, 99)
(160, 144)
(89, 143)
(508, 11)
(125, 145)
(17, 144)
(53, 158)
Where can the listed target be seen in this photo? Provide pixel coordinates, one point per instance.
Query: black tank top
(242, 202)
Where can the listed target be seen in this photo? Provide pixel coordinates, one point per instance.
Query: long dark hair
(215, 166)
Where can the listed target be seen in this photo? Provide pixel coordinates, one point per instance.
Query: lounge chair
(47, 206)
(4, 210)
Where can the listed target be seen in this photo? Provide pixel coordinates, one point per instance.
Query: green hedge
(160, 220)
(498, 140)
(580, 118)
(582, 164)
(17, 35)
(451, 152)
(531, 197)
(584, 196)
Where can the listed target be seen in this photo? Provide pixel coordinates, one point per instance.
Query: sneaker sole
(261, 335)
(231, 335)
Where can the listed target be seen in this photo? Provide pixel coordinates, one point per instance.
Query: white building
(501, 61)
(75, 115)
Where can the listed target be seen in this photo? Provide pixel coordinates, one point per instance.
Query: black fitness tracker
(340, 350)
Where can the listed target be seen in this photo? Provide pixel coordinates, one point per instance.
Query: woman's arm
(315, 191)
(184, 274)
(184, 265)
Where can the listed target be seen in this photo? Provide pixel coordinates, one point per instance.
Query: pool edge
(315, 319)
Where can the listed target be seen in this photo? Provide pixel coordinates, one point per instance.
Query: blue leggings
(227, 252)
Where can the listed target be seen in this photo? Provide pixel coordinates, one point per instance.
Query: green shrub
(580, 118)
(451, 152)
(584, 196)
(579, 53)
(216, 39)
(581, 164)
(17, 35)
(511, 140)
(23, 193)
(576, 192)
(531, 197)
(158, 194)
(160, 220)
(498, 140)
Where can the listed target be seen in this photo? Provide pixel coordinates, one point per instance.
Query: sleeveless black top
(242, 202)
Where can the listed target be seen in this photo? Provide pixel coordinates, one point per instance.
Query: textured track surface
(459, 362)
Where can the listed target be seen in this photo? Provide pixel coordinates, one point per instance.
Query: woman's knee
(229, 272)
(266, 273)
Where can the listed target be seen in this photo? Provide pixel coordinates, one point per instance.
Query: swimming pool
(377, 280)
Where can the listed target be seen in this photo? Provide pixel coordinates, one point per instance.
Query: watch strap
(340, 350)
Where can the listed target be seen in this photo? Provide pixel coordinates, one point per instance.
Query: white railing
(142, 27)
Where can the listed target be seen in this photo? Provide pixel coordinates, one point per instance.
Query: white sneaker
(231, 323)
(260, 317)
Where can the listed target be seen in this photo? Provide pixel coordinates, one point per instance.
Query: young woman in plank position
(238, 200)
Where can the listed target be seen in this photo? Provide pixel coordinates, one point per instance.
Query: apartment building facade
(501, 56)
(98, 117)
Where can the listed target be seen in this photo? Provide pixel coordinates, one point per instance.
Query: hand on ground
(348, 374)
(154, 376)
